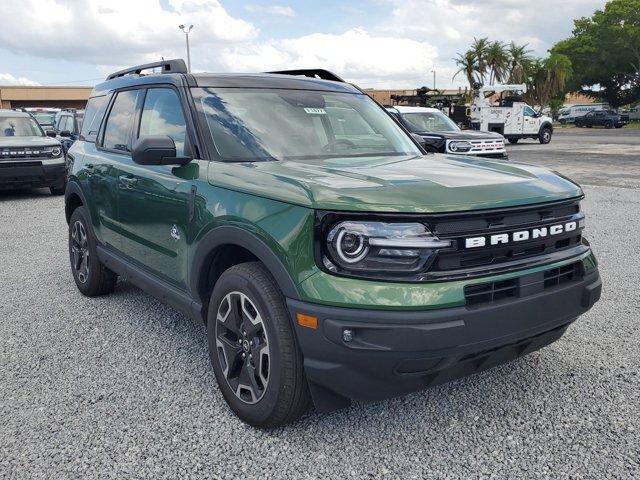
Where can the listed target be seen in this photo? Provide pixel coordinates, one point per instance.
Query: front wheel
(253, 348)
(513, 140)
(545, 136)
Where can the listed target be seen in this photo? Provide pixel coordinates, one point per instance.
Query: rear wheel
(544, 136)
(253, 349)
(91, 276)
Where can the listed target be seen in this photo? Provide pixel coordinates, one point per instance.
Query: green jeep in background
(331, 258)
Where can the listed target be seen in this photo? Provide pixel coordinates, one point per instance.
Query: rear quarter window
(93, 115)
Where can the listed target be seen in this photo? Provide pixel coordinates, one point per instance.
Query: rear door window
(93, 115)
(162, 115)
(117, 132)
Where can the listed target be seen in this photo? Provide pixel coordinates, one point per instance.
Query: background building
(52, 97)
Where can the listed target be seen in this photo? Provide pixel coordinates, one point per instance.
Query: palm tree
(479, 47)
(519, 60)
(497, 60)
(547, 78)
(466, 64)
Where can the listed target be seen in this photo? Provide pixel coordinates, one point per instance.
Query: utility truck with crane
(501, 109)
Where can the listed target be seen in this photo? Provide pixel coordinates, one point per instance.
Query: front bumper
(397, 352)
(33, 174)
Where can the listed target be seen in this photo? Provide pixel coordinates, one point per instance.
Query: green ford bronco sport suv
(331, 258)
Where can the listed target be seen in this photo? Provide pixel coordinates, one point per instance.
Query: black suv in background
(68, 125)
(28, 157)
(602, 118)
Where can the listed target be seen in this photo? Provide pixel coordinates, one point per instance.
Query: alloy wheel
(80, 251)
(243, 347)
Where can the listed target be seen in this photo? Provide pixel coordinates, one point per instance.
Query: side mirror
(50, 133)
(156, 150)
(65, 133)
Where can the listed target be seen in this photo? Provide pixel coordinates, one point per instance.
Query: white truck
(509, 115)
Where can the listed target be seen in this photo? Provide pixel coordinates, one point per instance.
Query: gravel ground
(591, 156)
(121, 387)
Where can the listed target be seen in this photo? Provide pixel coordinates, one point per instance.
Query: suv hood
(28, 142)
(413, 184)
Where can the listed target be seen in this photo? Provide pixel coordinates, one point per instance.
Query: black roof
(294, 79)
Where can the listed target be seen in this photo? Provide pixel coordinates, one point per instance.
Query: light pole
(434, 78)
(186, 31)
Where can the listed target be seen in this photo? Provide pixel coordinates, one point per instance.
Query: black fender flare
(544, 125)
(73, 189)
(232, 235)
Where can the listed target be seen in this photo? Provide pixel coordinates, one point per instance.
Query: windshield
(19, 127)
(270, 124)
(429, 122)
(45, 118)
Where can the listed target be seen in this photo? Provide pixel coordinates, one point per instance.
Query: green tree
(546, 79)
(519, 61)
(605, 53)
(480, 47)
(498, 60)
(466, 63)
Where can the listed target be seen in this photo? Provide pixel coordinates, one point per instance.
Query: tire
(608, 125)
(563, 122)
(57, 190)
(544, 136)
(271, 396)
(91, 276)
(513, 141)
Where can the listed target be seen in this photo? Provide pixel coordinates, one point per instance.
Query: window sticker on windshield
(315, 111)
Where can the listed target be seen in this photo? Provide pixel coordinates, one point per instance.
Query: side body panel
(96, 173)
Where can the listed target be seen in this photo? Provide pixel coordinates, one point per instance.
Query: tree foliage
(605, 53)
(490, 62)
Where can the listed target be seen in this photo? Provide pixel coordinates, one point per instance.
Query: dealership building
(15, 96)
(19, 96)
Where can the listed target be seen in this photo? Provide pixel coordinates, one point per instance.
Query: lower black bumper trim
(397, 352)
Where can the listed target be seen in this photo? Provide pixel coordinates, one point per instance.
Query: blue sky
(376, 43)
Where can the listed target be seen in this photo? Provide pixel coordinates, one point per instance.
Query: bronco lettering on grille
(520, 235)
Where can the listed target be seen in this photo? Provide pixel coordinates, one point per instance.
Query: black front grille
(461, 258)
(23, 153)
(491, 292)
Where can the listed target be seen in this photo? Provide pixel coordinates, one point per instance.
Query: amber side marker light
(308, 321)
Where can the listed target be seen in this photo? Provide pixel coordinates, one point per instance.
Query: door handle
(127, 181)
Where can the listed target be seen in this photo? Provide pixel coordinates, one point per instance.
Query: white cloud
(355, 54)
(399, 52)
(8, 79)
(273, 10)
(116, 32)
(453, 24)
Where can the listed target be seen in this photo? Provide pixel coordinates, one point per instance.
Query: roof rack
(168, 66)
(312, 73)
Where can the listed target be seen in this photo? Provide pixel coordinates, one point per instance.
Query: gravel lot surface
(121, 386)
(591, 156)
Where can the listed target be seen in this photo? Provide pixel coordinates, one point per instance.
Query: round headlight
(460, 146)
(379, 248)
(56, 151)
(350, 246)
